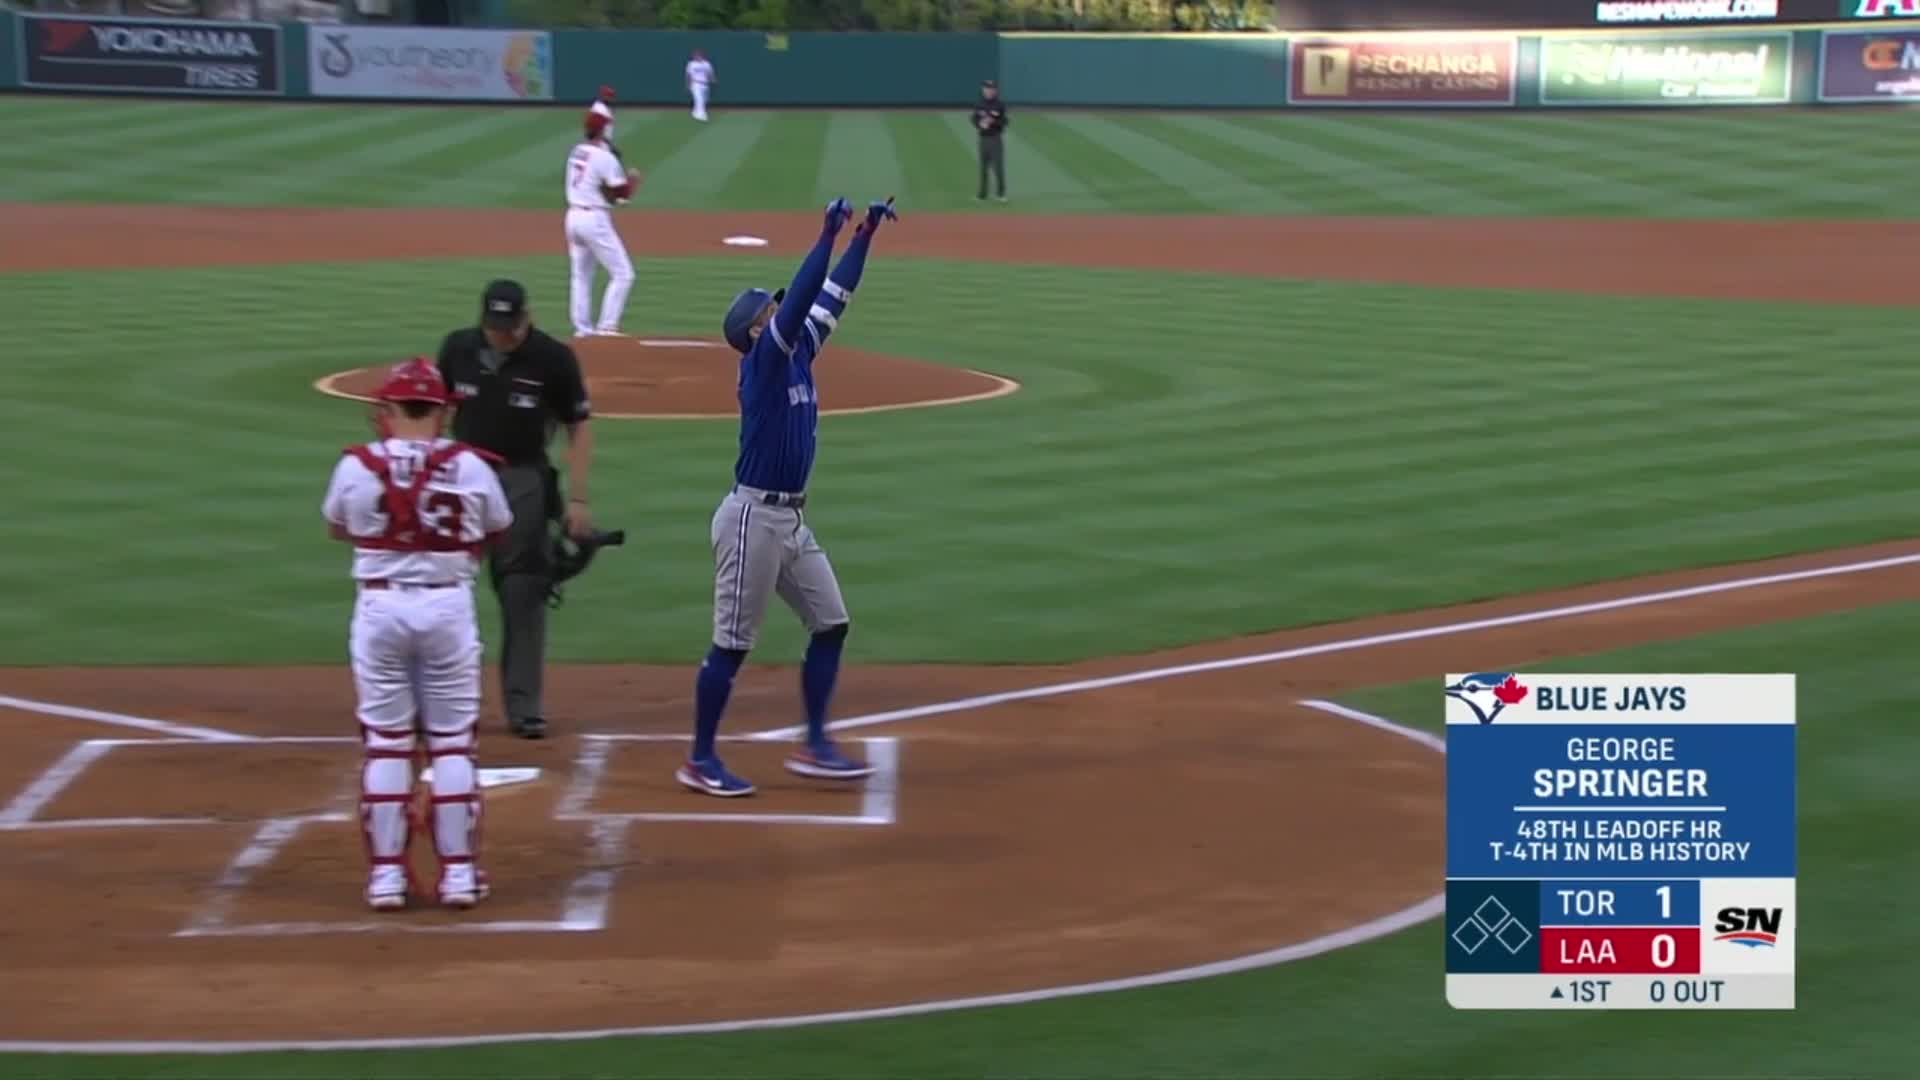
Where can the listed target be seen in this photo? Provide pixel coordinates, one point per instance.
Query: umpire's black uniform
(990, 121)
(509, 402)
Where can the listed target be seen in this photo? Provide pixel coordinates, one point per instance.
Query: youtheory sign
(407, 62)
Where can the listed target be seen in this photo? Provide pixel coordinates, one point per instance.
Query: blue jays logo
(1488, 693)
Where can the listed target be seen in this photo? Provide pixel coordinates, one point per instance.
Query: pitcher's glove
(572, 557)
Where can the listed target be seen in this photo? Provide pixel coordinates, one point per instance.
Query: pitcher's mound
(690, 378)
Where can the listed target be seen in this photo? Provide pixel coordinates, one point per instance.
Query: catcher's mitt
(572, 557)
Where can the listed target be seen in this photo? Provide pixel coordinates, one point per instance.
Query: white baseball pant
(700, 91)
(593, 243)
(416, 668)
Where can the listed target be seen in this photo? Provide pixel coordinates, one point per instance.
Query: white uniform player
(602, 107)
(699, 83)
(595, 185)
(418, 510)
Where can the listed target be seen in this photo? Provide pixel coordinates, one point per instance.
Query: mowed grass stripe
(860, 160)
(936, 162)
(782, 165)
(1109, 175)
(325, 167)
(701, 165)
(1166, 148)
(1340, 181)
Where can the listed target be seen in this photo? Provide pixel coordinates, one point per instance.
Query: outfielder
(700, 82)
(418, 509)
(761, 542)
(595, 185)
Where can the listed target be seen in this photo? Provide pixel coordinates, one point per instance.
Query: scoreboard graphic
(1620, 841)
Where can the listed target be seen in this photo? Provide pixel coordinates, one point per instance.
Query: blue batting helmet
(738, 325)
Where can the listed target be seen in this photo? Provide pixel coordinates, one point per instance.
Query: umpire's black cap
(503, 305)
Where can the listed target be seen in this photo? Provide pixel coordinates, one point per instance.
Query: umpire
(513, 384)
(990, 120)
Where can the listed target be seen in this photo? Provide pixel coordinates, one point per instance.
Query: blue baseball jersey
(779, 404)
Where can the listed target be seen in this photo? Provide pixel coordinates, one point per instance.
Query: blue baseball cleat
(710, 777)
(824, 761)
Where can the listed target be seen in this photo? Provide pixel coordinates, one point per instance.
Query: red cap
(596, 123)
(416, 380)
(606, 93)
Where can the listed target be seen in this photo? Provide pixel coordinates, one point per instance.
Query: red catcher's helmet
(415, 380)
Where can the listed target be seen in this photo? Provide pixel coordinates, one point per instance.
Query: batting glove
(881, 211)
(838, 211)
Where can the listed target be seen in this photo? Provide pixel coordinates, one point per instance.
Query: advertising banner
(1880, 9)
(413, 62)
(1614, 12)
(1398, 71)
(1525, 16)
(149, 56)
(1667, 69)
(1864, 65)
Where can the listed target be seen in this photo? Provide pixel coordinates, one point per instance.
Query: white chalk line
(878, 797)
(138, 723)
(19, 815)
(45, 788)
(1355, 935)
(1351, 644)
(1000, 387)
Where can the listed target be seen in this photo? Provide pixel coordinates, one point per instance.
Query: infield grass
(1281, 473)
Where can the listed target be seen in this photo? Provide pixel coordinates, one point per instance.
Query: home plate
(745, 241)
(492, 778)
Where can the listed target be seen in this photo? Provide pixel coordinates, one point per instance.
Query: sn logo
(1754, 927)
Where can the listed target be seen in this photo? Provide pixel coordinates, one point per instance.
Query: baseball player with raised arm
(700, 82)
(418, 510)
(596, 183)
(761, 541)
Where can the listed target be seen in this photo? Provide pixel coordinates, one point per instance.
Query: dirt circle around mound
(662, 378)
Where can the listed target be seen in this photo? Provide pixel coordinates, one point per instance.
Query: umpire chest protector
(510, 404)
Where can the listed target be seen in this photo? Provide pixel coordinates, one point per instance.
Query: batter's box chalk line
(584, 910)
(879, 793)
(589, 898)
(22, 814)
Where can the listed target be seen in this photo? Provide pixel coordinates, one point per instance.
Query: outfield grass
(1380, 1011)
(1273, 477)
(1676, 163)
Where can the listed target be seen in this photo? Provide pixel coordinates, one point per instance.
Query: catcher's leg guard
(456, 817)
(386, 787)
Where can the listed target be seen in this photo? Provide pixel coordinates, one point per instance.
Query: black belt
(792, 500)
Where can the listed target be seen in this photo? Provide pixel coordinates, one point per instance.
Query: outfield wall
(1746, 65)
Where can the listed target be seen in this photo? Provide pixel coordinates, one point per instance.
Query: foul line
(138, 723)
(1392, 923)
(1350, 644)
